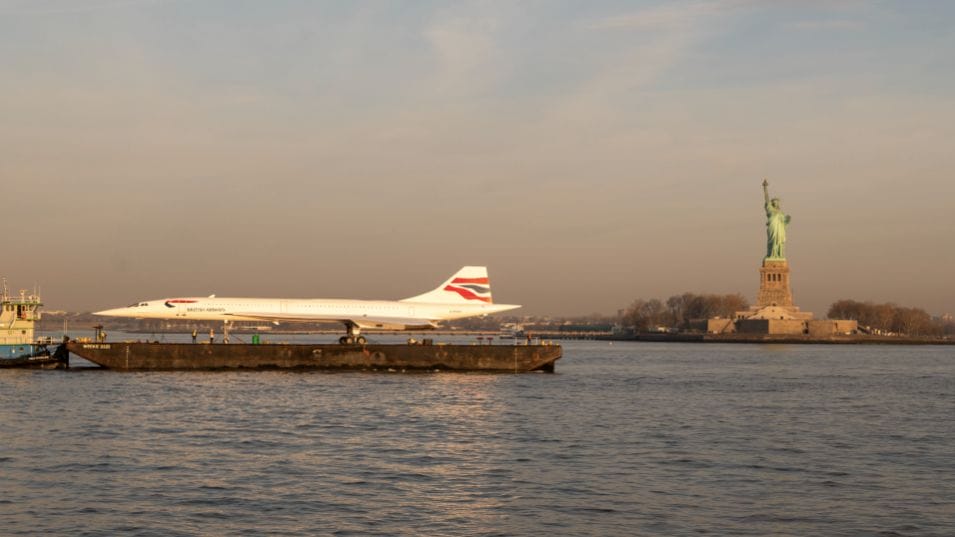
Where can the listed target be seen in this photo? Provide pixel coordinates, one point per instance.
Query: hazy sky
(588, 152)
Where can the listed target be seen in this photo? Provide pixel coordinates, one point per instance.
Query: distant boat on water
(511, 331)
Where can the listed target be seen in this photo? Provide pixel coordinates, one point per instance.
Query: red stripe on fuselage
(466, 293)
(469, 280)
(181, 301)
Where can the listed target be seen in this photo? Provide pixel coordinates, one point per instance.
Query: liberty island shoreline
(860, 339)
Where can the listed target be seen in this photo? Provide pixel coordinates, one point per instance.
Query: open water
(625, 439)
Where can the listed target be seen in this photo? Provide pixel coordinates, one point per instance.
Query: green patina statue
(776, 223)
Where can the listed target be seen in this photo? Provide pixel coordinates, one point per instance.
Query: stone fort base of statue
(775, 313)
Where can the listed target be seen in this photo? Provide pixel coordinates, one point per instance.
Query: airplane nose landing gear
(353, 337)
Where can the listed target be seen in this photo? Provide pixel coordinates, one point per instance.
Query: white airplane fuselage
(465, 294)
(298, 309)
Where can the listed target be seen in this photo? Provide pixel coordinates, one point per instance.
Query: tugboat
(18, 348)
(511, 331)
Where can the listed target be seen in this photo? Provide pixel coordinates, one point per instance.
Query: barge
(136, 356)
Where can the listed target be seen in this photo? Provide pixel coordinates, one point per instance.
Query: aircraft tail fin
(470, 285)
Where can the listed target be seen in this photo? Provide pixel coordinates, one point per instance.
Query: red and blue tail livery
(471, 288)
(470, 285)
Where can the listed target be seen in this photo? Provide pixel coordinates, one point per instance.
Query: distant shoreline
(782, 339)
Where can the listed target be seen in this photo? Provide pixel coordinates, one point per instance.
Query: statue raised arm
(776, 223)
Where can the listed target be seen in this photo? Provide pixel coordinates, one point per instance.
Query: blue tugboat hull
(31, 357)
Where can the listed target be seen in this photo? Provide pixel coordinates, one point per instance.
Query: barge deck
(134, 356)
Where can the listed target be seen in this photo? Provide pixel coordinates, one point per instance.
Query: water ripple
(629, 439)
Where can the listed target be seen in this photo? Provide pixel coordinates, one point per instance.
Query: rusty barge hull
(191, 356)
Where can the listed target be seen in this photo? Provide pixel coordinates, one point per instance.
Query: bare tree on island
(887, 318)
(679, 310)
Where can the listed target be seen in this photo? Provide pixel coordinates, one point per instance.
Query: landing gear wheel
(343, 340)
(361, 340)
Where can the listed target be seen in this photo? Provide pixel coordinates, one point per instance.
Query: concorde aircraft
(466, 294)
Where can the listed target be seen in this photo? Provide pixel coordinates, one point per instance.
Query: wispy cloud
(671, 15)
(667, 33)
(466, 49)
(829, 25)
(69, 7)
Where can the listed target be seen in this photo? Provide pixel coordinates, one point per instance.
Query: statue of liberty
(776, 223)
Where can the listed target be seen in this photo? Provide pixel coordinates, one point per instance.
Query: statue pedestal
(774, 312)
(774, 287)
